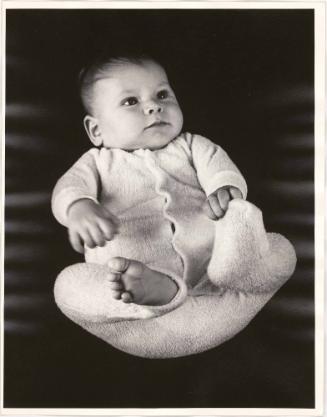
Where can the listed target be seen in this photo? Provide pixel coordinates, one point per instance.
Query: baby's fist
(91, 224)
(217, 202)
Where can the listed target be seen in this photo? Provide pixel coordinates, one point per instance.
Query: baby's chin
(160, 139)
(159, 144)
(156, 141)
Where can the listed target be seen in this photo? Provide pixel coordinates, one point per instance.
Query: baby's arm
(217, 174)
(75, 205)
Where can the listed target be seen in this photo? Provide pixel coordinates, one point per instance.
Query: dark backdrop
(244, 78)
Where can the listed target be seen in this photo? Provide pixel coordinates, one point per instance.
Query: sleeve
(214, 167)
(80, 181)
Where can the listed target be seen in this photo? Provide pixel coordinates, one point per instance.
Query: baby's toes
(117, 295)
(117, 286)
(127, 297)
(118, 264)
(114, 277)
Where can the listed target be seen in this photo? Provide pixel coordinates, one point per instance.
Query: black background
(244, 78)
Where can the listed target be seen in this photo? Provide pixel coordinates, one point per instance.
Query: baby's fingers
(223, 198)
(215, 206)
(76, 241)
(87, 238)
(96, 236)
(235, 192)
(208, 211)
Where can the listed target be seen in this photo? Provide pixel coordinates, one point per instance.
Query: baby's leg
(88, 291)
(133, 281)
(245, 257)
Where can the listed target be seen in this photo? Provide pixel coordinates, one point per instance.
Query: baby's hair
(99, 69)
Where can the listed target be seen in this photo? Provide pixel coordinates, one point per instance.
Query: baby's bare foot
(132, 281)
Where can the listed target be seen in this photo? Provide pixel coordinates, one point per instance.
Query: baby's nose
(152, 108)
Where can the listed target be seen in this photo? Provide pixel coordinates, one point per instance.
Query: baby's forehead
(132, 71)
(130, 79)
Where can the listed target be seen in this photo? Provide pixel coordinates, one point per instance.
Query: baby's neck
(137, 149)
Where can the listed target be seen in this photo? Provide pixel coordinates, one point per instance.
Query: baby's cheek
(131, 127)
(177, 117)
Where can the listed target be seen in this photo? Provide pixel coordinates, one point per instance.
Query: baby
(160, 215)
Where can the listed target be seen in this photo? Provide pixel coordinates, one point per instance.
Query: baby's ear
(92, 129)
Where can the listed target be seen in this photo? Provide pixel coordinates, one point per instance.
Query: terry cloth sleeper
(225, 270)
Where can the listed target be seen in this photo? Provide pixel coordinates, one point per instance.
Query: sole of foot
(133, 281)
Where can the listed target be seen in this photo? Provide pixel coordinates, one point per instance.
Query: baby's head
(130, 104)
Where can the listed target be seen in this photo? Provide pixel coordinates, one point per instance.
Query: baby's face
(135, 107)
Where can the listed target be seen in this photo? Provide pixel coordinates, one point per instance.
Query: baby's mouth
(158, 123)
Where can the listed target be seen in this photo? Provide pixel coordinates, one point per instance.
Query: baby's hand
(217, 202)
(91, 224)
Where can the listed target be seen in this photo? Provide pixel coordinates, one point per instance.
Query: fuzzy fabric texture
(263, 264)
(225, 271)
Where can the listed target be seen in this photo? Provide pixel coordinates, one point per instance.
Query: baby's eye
(162, 94)
(130, 101)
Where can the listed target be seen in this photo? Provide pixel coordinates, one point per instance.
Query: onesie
(158, 197)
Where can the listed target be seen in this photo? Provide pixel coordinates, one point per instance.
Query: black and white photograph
(163, 244)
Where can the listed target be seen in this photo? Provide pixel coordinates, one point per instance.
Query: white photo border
(320, 200)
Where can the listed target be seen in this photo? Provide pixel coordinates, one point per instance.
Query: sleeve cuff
(64, 199)
(226, 178)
